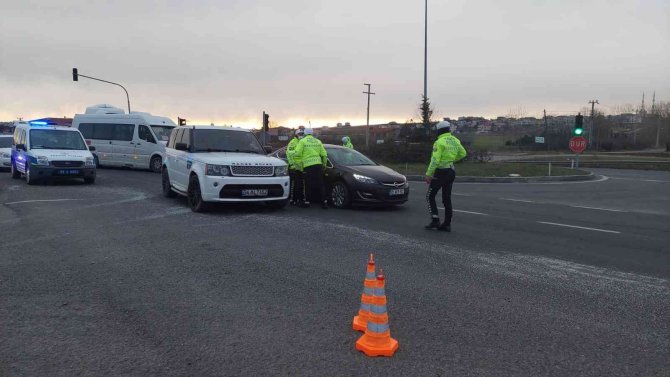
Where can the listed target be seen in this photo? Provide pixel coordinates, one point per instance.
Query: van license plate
(68, 172)
(254, 192)
(397, 192)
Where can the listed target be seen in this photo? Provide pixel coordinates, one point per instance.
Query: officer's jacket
(309, 152)
(447, 149)
(290, 153)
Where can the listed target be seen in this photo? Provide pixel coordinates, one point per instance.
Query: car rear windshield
(56, 139)
(5, 142)
(162, 132)
(348, 157)
(225, 141)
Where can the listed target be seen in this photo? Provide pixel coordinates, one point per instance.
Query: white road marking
(598, 208)
(580, 227)
(643, 180)
(470, 212)
(518, 200)
(453, 193)
(41, 200)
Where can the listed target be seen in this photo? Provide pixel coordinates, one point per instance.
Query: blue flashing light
(39, 123)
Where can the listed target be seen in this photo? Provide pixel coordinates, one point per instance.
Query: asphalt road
(555, 279)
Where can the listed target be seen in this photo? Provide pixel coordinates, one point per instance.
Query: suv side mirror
(181, 147)
(91, 148)
(21, 147)
(268, 149)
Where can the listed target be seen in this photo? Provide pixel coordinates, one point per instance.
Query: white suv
(222, 164)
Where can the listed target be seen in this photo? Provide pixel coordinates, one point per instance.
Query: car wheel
(89, 180)
(167, 187)
(277, 204)
(15, 173)
(195, 201)
(340, 195)
(156, 164)
(29, 179)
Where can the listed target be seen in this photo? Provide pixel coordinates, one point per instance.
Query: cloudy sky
(226, 61)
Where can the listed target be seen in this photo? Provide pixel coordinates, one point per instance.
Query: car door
(123, 146)
(178, 166)
(145, 145)
(20, 158)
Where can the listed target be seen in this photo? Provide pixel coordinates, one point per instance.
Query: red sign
(578, 144)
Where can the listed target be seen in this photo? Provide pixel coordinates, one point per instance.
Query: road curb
(563, 178)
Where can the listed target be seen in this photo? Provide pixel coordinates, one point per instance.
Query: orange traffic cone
(377, 339)
(361, 320)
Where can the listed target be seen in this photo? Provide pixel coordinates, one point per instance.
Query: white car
(5, 152)
(222, 164)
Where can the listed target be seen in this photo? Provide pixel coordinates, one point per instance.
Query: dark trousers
(297, 191)
(443, 179)
(315, 189)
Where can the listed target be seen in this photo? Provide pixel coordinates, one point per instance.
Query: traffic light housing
(579, 125)
(75, 74)
(266, 121)
(181, 121)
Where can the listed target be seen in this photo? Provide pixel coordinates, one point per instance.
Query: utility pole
(425, 55)
(367, 123)
(593, 103)
(546, 129)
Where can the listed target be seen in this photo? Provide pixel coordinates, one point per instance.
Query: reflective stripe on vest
(379, 328)
(378, 309)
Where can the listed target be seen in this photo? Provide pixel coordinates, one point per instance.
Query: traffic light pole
(105, 81)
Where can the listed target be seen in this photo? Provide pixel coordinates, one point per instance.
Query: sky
(227, 61)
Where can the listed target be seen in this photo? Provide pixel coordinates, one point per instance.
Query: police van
(210, 164)
(41, 151)
(135, 140)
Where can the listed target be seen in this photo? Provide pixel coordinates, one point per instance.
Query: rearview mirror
(91, 148)
(268, 149)
(181, 147)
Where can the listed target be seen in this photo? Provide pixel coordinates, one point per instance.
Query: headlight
(90, 161)
(218, 170)
(42, 160)
(364, 179)
(281, 171)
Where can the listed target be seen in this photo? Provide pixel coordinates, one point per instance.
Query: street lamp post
(425, 54)
(76, 75)
(367, 123)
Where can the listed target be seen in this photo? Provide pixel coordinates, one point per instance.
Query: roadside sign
(578, 144)
(539, 140)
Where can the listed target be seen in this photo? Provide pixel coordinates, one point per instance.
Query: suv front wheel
(195, 201)
(167, 187)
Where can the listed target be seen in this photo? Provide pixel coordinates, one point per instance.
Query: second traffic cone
(360, 322)
(377, 339)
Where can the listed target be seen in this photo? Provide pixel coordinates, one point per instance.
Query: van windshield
(225, 141)
(56, 139)
(162, 132)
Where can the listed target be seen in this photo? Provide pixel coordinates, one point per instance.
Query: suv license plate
(68, 172)
(255, 192)
(397, 192)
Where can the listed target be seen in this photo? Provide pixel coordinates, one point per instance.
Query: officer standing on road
(312, 159)
(447, 150)
(297, 189)
(346, 142)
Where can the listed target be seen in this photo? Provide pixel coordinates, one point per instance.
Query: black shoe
(304, 205)
(433, 224)
(292, 203)
(324, 205)
(445, 227)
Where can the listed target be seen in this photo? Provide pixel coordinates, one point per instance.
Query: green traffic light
(578, 131)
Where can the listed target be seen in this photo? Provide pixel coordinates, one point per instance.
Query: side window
(186, 138)
(145, 134)
(123, 132)
(173, 134)
(86, 130)
(177, 139)
(102, 131)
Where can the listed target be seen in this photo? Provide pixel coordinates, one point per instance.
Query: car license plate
(68, 172)
(255, 192)
(397, 192)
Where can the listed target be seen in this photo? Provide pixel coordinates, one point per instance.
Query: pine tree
(426, 112)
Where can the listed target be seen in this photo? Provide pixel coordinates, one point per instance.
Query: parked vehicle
(42, 152)
(222, 164)
(135, 140)
(353, 178)
(5, 152)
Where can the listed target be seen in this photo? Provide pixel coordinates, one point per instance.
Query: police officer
(346, 142)
(297, 189)
(312, 159)
(447, 149)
